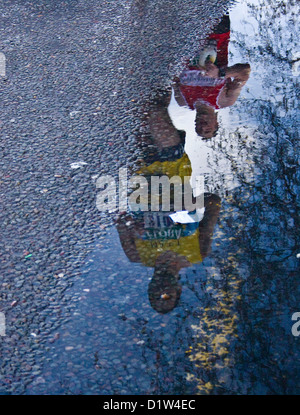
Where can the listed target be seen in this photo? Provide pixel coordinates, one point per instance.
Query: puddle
(166, 307)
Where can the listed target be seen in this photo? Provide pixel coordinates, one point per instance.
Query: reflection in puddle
(208, 83)
(153, 239)
(202, 304)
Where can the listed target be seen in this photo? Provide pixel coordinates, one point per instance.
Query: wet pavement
(124, 302)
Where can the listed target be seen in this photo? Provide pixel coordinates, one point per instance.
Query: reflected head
(164, 291)
(206, 122)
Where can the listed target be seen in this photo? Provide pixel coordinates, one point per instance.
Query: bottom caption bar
(150, 404)
(129, 404)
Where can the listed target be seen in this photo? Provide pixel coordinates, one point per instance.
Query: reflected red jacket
(196, 87)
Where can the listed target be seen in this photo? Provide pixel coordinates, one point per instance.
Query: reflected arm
(126, 234)
(236, 77)
(212, 205)
(177, 93)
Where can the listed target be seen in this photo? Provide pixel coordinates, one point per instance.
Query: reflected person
(207, 83)
(154, 238)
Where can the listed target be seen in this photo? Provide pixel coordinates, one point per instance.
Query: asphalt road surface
(76, 74)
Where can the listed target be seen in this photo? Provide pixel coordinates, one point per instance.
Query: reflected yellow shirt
(181, 167)
(183, 239)
(186, 246)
